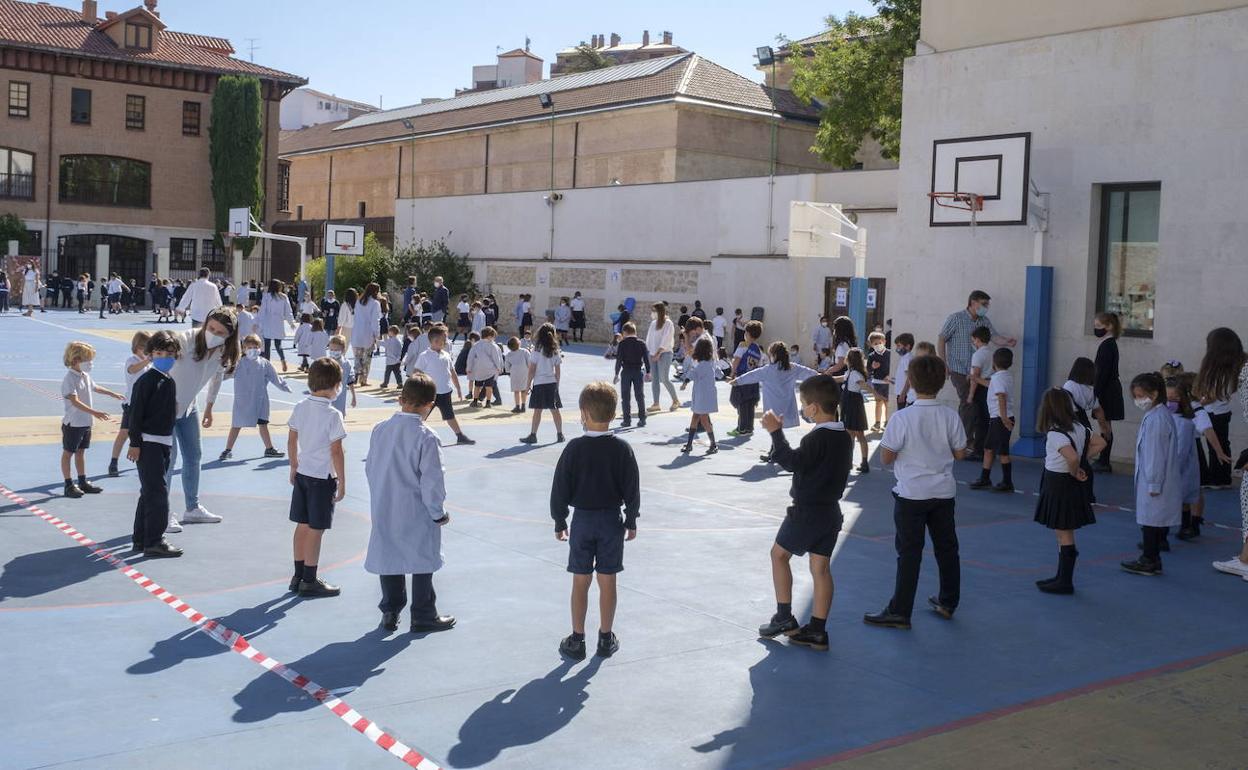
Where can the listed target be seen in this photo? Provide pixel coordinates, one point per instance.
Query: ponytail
(779, 353)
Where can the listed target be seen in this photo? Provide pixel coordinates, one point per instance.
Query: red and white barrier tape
(239, 644)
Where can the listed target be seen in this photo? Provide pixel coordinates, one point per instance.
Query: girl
(309, 306)
(1108, 386)
(661, 342)
(252, 376)
(705, 399)
(30, 289)
(465, 318)
(1063, 505)
(303, 340)
(563, 320)
(4, 291)
(526, 314)
(545, 371)
(1215, 385)
(366, 331)
(135, 365)
(346, 315)
(1158, 483)
(779, 380)
(1179, 402)
(853, 408)
(1080, 384)
(578, 318)
(844, 337)
(337, 350)
(84, 292)
(274, 315)
(1203, 428)
(517, 364)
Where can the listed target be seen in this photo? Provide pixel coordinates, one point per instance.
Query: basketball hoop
(963, 201)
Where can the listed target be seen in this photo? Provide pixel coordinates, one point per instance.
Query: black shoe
(529, 439)
(627, 422)
(294, 584)
(227, 454)
(135, 547)
(806, 637)
(463, 440)
(686, 449)
(981, 483)
(1055, 587)
(572, 648)
(1188, 533)
(89, 488)
(778, 625)
(713, 450)
(1003, 487)
(559, 439)
(864, 468)
(317, 589)
(440, 623)
(162, 550)
(940, 609)
(607, 645)
(112, 469)
(389, 621)
(886, 618)
(641, 423)
(72, 490)
(516, 410)
(271, 452)
(1142, 566)
(1164, 548)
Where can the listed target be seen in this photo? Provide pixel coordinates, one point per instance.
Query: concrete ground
(1130, 671)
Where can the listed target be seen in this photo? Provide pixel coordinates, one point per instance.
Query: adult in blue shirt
(953, 346)
(441, 300)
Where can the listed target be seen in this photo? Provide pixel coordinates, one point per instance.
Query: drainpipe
(47, 184)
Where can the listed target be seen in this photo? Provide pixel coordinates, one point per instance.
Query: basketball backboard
(344, 240)
(240, 222)
(818, 229)
(996, 167)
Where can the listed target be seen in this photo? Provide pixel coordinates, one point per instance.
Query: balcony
(17, 186)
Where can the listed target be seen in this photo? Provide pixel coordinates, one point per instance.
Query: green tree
(236, 151)
(856, 79)
(426, 260)
(376, 264)
(12, 228)
(587, 58)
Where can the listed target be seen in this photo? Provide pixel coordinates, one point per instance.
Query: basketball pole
(1037, 312)
(858, 286)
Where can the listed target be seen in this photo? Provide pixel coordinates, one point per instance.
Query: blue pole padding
(1037, 314)
(329, 273)
(858, 307)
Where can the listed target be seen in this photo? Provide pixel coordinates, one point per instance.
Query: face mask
(1144, 403)
(981, 311)
(878, 348)
(163, 364)
(1173, 406)
(902, 351)
(1100, 332)
(654, 316)
(85, 366)
(335, 354)
(213, 340)
(824, 324)
(253, 353)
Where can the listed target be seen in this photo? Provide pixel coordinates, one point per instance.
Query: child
(153, 410)
(303, 341)
(1080, 384)
(1158, 479)
(1191, 423)
(461, 360)
(723, 367)
(133, 368)
(613, 348)
(436, 363)
(878, 360)
(719, 326)
(318, 339)
(1000, 423)
(820, 468)
(338, 352)
(485, 363)
(824, 359)
(410, 332)
(977, 397)
(247, 323)
(853, 408)
(747, 357)
(517, 363)
(252, 376)
(739, 323)
(478, 318)
(317, 473)
(631, 357)
(309, 306)
(545, 371)
(596, 476)
(526, 314)
(393, 348)
(1215, 386)
(622, 317)
(465, 318)
(407, 491)
(822, 338)
(844, 337)
(1064, 505)
(77, 388)
(563, 320)
(705, 399)
(419, 344)
(526, 340)
(1186, 388)
(779, 382)
(902, 346)
(921, 443)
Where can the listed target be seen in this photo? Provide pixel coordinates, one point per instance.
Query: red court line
(236, 642)
(1004, 711)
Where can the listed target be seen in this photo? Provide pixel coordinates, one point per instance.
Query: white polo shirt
(318, 425)
(78, 384)
(1001, 384)
(924, 436)
(438, 365)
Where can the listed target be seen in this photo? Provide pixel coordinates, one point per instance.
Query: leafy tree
(376, 264)
(856, 78)
(587, 58)
(236, 152)
(12, 228)
(426, 260)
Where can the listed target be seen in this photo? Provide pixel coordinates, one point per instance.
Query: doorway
(836, 303)
(126, 256)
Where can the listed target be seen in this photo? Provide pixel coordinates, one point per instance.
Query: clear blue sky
(408, 49)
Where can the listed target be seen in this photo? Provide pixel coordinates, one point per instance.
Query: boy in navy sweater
(631, 356)
(153, 410)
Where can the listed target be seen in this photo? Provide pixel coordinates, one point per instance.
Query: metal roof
(563, 83)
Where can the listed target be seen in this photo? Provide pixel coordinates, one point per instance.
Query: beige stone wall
(716, 145)
(659, 281)
(578, 278)
(512, 275)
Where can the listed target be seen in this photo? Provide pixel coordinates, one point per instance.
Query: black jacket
(153, 406)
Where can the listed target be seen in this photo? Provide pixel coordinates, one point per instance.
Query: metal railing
(20, 186)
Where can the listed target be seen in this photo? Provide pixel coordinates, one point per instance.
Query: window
(136, 112)
(139, 36)
(17, 174)
(363, 209)
(181, 253)
(19, 99)
(80, 106)
(190, 118)
(299, 215)
(31, 244)
(102, 180)
(213, 256)
(1127, 262)
(283, 186)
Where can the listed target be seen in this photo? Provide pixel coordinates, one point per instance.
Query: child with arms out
(77, 389)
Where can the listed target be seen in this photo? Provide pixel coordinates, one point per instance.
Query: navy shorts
(75, 439)
(880, 388)
(312, 501)
(443, 402)
(813, 530)
(490, 383)
(596, 543)
(125, 417)
(998, 438)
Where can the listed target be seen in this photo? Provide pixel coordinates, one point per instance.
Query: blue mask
(163, 365)
(981, 311)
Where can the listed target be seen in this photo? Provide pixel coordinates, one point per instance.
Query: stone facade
(578, 278)
(511, 275)
(652, 281)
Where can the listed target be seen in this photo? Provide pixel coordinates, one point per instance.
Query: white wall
(301, 108)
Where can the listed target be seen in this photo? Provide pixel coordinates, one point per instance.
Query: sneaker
(174, 527)
(778, 625)
(981, 483)
(317, 589)
(607, 645)
(572, 648)
(112, 468)
(463, 440)
(940, 609)
(200, 515)
(88, 487)
(1142, 566)
(1232, 566)
(273, 452)
(1003, 487)
(227, 454)
(529, 439)
(806, 637)
(734, 433)
(72, 490)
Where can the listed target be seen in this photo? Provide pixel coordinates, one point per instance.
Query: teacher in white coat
(30, 289)
(365, 332)
(274, 314)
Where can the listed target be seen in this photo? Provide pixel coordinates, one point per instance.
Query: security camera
(552, 198)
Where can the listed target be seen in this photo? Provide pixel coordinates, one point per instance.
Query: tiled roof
(519, 52)
(50, 27)
(219, 44)
(688, 75)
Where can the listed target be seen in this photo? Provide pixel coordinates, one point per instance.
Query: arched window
(17, 174)
(103, 180)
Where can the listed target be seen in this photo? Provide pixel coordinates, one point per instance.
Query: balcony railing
(19, 186)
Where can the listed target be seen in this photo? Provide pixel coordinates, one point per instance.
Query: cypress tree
(236, 151)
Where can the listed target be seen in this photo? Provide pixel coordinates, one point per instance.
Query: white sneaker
(200, 515)
(1232, 566)
(174, 527)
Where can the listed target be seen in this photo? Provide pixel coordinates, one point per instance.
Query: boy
(596, 476)
(820, 468)
(478, 317)
(338, 352)
(317, 473)
(410, 332)
(902, 346)
(1000, 423)
(981, 370)
(631, 356)
(719, 325)
(747, 357)
(133, 369)
(406, 491)
(485, 363)
(921, 442)
(393, 349)
(153, 410)
(76, 389)
(878, 360)
(420, 343)
(436, 363)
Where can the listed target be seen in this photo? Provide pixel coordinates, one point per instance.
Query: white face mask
(213, 340)
(253, 352)
(335, 354)
(878, 348)
(1144, 403)
(85, 366)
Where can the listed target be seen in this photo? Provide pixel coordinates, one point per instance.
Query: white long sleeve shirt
(661, 338)
(202, 297)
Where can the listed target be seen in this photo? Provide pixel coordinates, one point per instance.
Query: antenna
(252, 47)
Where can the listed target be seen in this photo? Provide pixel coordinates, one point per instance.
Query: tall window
(80, 106)
(19, 99)
(136, 112)
(17, 174)
(139, 36)
(213, 256)
(190, 118)
(102, 180)
(1127, 268)
(181, 253)
(283, 186)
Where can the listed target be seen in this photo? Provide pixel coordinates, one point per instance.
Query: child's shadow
(276, 462)
(523, 717)
(223, 463)
(683, 461)
(190, 644)
(513, 451)
(755, 473)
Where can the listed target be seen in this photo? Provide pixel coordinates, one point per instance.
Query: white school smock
(439, 366)
(478, 321)
(367, 324)
(779, 388)
(318, 344)
(348, 379)
(518, 367)
(484, 361)
(705, 399)
(407, 490)
(252, 377)
(303, 345)
(274, 313)
(247, 325)
(1189, 461)
(393, 348)
(1157, 470)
